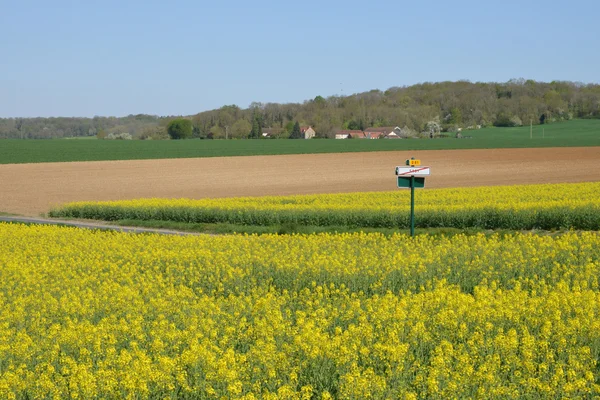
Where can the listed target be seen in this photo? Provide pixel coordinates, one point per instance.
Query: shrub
(119, 136)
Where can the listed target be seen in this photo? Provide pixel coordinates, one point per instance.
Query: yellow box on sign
(415, 162)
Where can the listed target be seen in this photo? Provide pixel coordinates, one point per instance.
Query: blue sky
(76, 58)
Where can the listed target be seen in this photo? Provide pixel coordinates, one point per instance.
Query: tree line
(446, 105)
(65, 127)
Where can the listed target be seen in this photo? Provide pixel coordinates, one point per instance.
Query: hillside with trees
(446, 106)
(62, 127)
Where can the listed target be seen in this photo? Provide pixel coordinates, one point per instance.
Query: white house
(307, 132)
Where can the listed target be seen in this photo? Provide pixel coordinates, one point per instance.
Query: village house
(307, 132)
(384, 132)
(388, 132)
(349, 134)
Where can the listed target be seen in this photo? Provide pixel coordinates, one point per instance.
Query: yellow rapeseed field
(545, 206)
(90, 314)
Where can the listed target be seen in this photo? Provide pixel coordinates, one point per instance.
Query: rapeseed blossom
(91, 314)
(546, 206)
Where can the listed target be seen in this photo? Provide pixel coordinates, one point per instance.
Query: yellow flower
(91, 314)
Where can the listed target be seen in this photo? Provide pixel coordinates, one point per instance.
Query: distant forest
(445, 106)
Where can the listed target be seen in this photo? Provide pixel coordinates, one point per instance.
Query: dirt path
(31, 189)
(96, 225)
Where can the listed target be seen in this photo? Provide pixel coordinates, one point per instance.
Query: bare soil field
(32, 189)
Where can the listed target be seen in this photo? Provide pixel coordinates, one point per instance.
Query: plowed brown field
(31, 189)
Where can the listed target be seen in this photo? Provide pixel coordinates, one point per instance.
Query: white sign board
(412, 171)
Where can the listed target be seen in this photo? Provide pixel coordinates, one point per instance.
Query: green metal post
(412, 206)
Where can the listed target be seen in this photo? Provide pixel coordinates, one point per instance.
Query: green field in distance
(565, 134)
